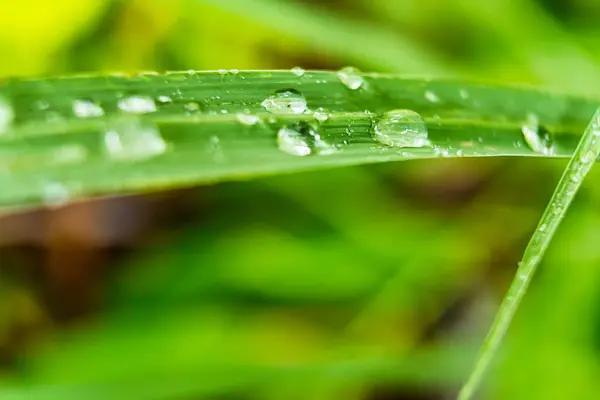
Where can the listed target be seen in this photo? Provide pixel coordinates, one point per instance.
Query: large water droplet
(286, 101)
(133, 139)
(351, 77)
(137, 105)
(7, 115)
(537, 138)
(84, 108)
(401, 128)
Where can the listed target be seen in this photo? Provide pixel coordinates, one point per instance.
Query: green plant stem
(579, 165)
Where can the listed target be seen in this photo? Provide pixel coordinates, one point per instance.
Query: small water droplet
(164, 99)
(192, 107)
(537, 138)
(543, 228)
(286, 101)
(7, 115)
(133, 139)
(84, 108)
(55, 194)
(463, 94)
(137, 105)
(41, 105)
(401, 128)
(432, 97)
(350, 77)
(298, 71)
(247, 118)
(234, 71)
(293, 142)
(222, 71)
(321, 114)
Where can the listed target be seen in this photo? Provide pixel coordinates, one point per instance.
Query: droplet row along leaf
(187, 110)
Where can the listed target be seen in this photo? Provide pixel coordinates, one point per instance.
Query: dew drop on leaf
(84, 108)
(536, 137)
(133, 139)
(401, 128)
(247, 118)
(321, 114)
(302, 140)
(298, 71)
(350, 77)
(164, 99)
(432, 97)
(55, 194)
(137, 105)
(292, 142)
(285, 101)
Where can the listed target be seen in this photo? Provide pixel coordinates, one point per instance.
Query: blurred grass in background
(374, 282)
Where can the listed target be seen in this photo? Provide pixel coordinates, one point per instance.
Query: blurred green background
(375, 282)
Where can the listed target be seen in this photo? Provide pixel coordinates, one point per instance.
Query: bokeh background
(375, 282)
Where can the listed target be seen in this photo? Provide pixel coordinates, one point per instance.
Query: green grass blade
(49, 155)
(580, 164)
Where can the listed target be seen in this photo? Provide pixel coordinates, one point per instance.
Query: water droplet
(84, 108)
(222, 71)
(192, 107)
(247, 119)
(41, 105)
(133, 140)
(164, 99)
(351, 77)
(7, 115)
(401, 128)
(543, 228)
(55, 194)
(537, 138)
(321, 114)
(298, 71)
(286, 101)
(292, 142)
(234, 71)
(432, 97)
(137, 105)
(463, 94)
(302, 140)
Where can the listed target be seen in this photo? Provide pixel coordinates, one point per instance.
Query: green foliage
(362, 282)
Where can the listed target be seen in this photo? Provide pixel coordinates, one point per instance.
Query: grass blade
(51, 154)
(579, 165)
